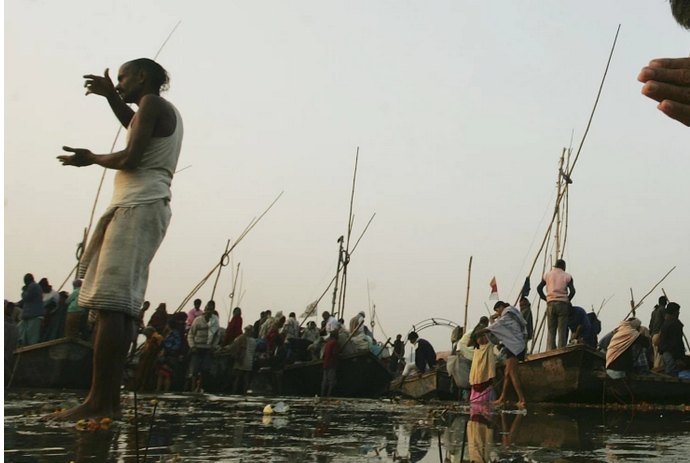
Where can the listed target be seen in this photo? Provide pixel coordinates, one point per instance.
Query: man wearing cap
(560, 291)
(671, 345)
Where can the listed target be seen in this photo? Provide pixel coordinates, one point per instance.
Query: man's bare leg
(507, 377)
(516, 385)
(113, 337)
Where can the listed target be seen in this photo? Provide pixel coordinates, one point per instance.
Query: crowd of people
(190, 344)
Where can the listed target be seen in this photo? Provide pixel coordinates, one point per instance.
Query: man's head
(333, 335)
(560, 263)
(209, 309)
(45, 285)
(524, 302)
(484, 320)
(412, 337)
(681, 12)
(326, 315)
(361, 314)
(197, 303)
(311, 324)
(398, 337)
(148, 331)
(663, 301)
(292, 315)
(262, 315)
(499, 307)
(673, 309)
(9, 309)
(236, 311)
(141, 77)
(146, 306)
(249, 330)
(28, 279)
(162, 307)
(63, 296)
(635, 323)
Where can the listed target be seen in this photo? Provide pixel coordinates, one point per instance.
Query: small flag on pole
(310, 310)
(494, 289)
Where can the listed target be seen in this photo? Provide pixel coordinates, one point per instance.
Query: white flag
(310, 310)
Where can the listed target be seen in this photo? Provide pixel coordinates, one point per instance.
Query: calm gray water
(231, 429)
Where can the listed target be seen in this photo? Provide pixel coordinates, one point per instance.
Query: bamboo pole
(650, 292)
(232, 294)
(350, 224)
(249, 228)
(467, 296)
(577, 155)
(220, 268)
(352, 334)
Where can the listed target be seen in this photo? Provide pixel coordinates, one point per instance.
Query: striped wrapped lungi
(115, 265)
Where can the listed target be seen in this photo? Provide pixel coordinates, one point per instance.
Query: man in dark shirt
(655, 327)
(671, 345)
(424, 357)
(580, 326)
(398, 353)
(526, 312)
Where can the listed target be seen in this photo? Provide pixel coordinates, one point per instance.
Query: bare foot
(521, 405)
(85, 411)
(498, 403)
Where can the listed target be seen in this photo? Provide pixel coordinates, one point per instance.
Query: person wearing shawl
(511, 330)
(142, 380)
(169, 354)
(243, 349)
(291, 328)
(357, 323)
(483, 369)
(234, 329)
(270, 320)
(159, 319)
(274, 332)
(627, 350)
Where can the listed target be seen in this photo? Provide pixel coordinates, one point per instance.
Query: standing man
(193, 313)
(561, 290)
(526, 312)
(329, 323)
(398, 353)
(655, 323)
(115, 265)
(32, 312)
(671, 345)
(202, 339)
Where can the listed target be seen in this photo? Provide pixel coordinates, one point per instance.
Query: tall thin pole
(232, 295)
(223, 263)
(337, 273)
(346, 259)
(467, 296)
(558, 207)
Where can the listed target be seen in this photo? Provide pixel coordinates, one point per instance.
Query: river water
(207, 428)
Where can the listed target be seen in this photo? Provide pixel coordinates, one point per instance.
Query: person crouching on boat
(580, 327)
(511, 330)
(627, 351)
(424, 356)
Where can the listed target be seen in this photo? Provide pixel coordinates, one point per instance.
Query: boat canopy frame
(431, 322)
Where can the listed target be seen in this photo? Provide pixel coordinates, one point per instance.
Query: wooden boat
(64, 363)
(562, 375)
(359, 375)
(651, 389)
(434, 384)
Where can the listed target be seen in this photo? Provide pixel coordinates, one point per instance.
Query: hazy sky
(460, 110)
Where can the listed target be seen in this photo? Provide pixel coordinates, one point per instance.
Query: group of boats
(571, 375)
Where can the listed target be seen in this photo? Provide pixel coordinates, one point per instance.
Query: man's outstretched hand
(667, 81)
(81, 157)
(99, 85)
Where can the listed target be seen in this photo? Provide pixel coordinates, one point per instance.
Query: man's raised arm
(103, 86)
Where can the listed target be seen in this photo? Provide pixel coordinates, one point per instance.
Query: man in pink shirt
(195, 312)
(561, 290)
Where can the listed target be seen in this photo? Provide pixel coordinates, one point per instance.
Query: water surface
(206, 428)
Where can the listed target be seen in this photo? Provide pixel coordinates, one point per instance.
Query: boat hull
(60, 364)
(435, 384)
(358, 375)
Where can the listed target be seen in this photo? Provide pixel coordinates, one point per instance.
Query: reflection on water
(230, 429)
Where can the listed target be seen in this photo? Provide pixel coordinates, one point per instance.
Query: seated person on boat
(627, 351)
(425, 355)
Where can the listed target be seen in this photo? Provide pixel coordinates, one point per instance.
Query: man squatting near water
(115, 265)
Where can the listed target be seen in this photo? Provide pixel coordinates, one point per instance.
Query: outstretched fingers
(675, 110)
(661, 91)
